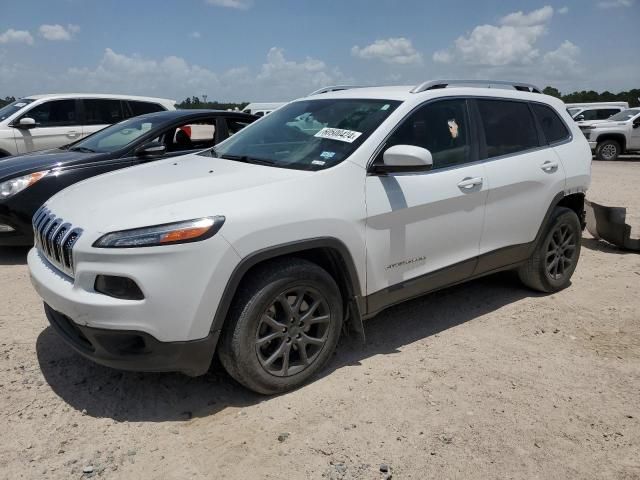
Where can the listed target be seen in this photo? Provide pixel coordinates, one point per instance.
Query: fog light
(118, 287)
(6, 228)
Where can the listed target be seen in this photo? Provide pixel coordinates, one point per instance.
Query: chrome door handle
(73, 134)
(549, 166)
(469, 183)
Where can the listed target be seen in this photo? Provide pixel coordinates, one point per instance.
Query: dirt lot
(485, 380)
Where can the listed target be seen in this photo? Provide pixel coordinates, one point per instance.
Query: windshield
(8, 110)
(309, 134)
(117, 136)
(625, 115)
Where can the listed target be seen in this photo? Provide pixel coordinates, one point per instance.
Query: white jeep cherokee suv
(320, 214)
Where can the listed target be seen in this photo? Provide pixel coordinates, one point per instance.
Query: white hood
(162, 191)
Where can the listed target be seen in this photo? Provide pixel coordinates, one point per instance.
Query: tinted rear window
(553, 127)
(508, 127)
(140, 108)
(102, 112)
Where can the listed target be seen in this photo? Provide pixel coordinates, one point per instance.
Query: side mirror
(26, 123)
(636, 124)
(151, 150)
(405, 158)
(579, 118)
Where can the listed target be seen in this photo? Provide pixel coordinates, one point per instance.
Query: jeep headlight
(16, 185)
(166, 234)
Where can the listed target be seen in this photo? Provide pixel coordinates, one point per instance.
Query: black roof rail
(435, 84)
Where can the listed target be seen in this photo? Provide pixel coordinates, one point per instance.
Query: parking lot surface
(483, 380)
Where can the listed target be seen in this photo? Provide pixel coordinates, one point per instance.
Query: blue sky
(270, 50)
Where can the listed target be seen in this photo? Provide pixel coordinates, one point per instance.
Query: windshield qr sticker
(348, 136)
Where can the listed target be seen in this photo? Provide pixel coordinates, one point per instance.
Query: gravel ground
(484, 380)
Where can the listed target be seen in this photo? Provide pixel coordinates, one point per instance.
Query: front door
(423, 229)
(57, 124)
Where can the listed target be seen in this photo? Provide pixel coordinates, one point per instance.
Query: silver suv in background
(41, 122)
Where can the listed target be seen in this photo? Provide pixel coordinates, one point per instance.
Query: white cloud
(16, 36)
(238, 4)
(563, 10)
(533, 18)
(56, 33)
(195, 35)
(398, 51)
(615, 3)
(563, 60)
(511, 42)
(279, 78)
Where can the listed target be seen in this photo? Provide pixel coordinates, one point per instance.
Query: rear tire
(550, 267)
(283, 326)
(609, 150)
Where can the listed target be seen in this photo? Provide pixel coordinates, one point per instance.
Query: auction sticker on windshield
(339, 134)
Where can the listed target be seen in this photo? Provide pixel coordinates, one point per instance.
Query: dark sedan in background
(27, 181)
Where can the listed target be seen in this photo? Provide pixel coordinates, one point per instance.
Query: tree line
(632, 97)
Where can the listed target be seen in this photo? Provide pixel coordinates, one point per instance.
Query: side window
(508, 127)
(191, 136)
(589, 115)
(102, 112)
(234, 125)
(605, 113)
(57, 113)
(140, 108)
(441, 127)
(553, 127)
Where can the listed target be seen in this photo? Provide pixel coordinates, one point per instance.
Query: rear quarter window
(552, 125)
(508, 127)
(141, 108)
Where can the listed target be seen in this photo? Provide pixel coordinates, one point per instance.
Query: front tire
(550, 267)
(283, 326)
(609, 150)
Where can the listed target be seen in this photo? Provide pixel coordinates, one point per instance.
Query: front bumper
(593, 145)
(131, 350)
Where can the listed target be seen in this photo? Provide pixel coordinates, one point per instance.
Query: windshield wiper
(82, 149)
(247, 159)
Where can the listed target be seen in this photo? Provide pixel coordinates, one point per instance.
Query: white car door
(56, 125)
(525, 174)
(418, 224)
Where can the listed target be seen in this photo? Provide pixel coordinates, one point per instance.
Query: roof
(99, 95)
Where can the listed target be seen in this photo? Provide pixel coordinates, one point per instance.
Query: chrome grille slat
(54, 238)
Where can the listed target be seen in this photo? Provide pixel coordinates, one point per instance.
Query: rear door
(57, 124)
(524, 172)
(99, 113)
(422, 223)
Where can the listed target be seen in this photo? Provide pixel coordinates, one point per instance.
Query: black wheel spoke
(272, 322)
(269, 338)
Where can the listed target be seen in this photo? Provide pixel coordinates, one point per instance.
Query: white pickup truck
(619, 134)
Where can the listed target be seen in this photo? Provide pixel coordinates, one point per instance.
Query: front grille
(54, 238)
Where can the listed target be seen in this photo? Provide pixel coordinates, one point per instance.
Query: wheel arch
(4, 153)
(618, 137)
(574, 201)
(327, 252)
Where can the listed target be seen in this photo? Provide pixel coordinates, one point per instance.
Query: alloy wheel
(561, 251)
(292, 331)
(609, 151)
